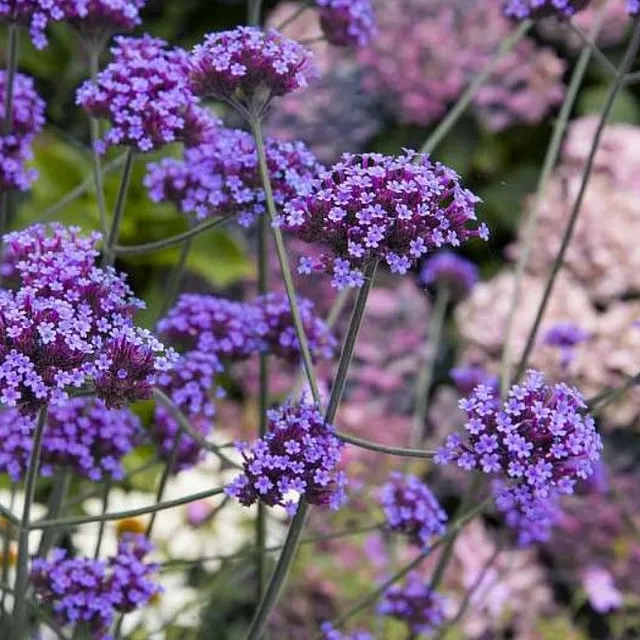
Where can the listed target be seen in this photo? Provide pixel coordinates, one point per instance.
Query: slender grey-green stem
(401, 452)
(588, 40)
(306, 4)
(551, 157)
(22, 568)
(465, 99)
(294, 535)
(11, 70)
(6, 541)
(608, 396)
(425, 378)
(121, 201)
(131, 513)
(106, 492)
(61, 484)
(253, 12)
(175, 279)
(159, 245)
(94, 125)
(616, 86)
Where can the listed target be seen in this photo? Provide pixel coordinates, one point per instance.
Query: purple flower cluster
(81, 435)
(633, 7)
(278, 333)
(221, 178)
(70, 323)
(97, 18)
(37, 14)
(414, 603)
(565, 336)
(330, 633)
(539, 442)
(297, 458)
(347, 23)
(27, 116)
(467, 378)
(143, 93)
(411, 508)
(248, 66)
(524, 9)
(189, 385)
(375, 207)
(448, 270)
(90, 592)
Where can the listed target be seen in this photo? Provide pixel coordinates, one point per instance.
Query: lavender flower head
(450, 271)
(633, 7)
(279, 335)
(374, 207)
(247, 67)
(296, 458)
(330, 633)
(524, 9)
(81, 435)
(99, 18)
(221, 178)
(414, 603)
(81, 591)
(565, 336)
(411, 508)
(36, 14)
(27, 112)
(70, 323)
(347, 23)
(143, 93)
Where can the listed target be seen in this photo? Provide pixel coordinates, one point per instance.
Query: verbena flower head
(221, 178)
(539, 438)
(80, 591)
(81, 435)
(213, 325)
(70, 323)
(191, 387)
(143, 94)
(347, 23)
(278, 333)
(411, 508)
(633, 7)
(565, 336)
(297, 458)
(375, 207)
(452, 272)
(523, 9)
(247, 67)
(36, 14)
(467, 378)
(415, 604)
(103, 16)
(330, 633)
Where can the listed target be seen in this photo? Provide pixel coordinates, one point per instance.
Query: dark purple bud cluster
(452, 272)
(524, 9)
(565, 336)
(330, 633)
(347, 23)
(633, 7)
(410, 508)
(81, 435)
(375, 207)
(467, 378)
(248, 67)
(415, 604)
(143, 93)
(27, 120)
(297, 458)
(69, 324)
(221, 178)
(36, 14)
(81, 591)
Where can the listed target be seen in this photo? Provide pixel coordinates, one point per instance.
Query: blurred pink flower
(601, 590)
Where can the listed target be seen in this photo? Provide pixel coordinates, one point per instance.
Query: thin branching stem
(401, 452)
(306, 4)
(588, 40)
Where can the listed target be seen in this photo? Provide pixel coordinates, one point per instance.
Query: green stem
(588, 41)
(22, 570)
(425, 379)
(131, 513)
(6, 542)
(253, 17)
(465, 99)
(616, 86)
(94, 124)
(382, 448)
(175, 279)
(551, 157)
(56, 499)
(149, 247)
(109, 253)
(101, 527)
(295, 15)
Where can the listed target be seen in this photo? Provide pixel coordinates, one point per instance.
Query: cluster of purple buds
(81, 435)
(415, 604)
(36, 14)
(524, 9)
(410, 508)
(87, 592)
(189, 385)
(633, 7)
(247, 67)
(221, 178)
(27, 120)
(143, 93)
(99, 18)
(297, 458)
(347, 23)
(566, 336)
(539, 441)
(331, 633)
(448, 271)
(69, 324)
(374, 207)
